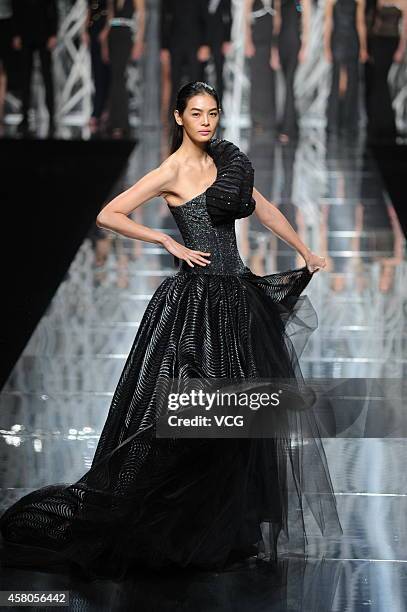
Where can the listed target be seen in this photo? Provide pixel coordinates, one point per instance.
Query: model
(387, 41)
(261, 38)
(345, 47)
(154, 501)
(122, 40)
(35, 28)
(293, 36)
(95, 22)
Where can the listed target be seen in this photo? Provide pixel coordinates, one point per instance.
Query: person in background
(124, 34)
(261, 47)
(6, 13)
(184, 39)
(293, 26)
(35, 25)
(387, 37)
(165, 80)
(345, 46)
(219, 26)
(95, 23)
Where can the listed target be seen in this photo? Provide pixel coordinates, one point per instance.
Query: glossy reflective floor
(56, 399)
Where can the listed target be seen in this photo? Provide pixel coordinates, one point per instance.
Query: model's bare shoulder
(154, 183)
(161, 177)
(170, 169)
(157, 181)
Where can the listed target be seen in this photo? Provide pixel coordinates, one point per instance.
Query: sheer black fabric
(157, 502)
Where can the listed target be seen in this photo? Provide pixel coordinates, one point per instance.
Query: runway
(57, 396)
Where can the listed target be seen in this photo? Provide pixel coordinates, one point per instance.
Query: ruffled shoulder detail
(230, 196)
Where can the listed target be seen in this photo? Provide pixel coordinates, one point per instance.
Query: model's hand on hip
(188, 255)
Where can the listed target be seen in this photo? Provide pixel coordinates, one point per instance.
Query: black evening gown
(262, 77)
(289, 45)
(156, 502)
(383, 40)
(343, 111)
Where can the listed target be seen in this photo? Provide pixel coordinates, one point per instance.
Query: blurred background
(73, 69)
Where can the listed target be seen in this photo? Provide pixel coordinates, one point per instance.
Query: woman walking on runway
(345, 47)
(126, 19)
(173, 501)
(387, 39)
(293, 17)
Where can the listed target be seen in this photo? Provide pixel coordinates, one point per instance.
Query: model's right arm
(399, 54)
(305, 25)
(114, 216)
(361, 29)
(17, 18)
(85, 28)
(105, 32)
(328, 26)
(248, 40)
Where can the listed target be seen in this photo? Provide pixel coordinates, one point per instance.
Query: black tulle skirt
(182, 502)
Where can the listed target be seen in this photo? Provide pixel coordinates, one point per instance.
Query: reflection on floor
(57, 397)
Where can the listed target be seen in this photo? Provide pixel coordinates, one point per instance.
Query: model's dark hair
(184, 94)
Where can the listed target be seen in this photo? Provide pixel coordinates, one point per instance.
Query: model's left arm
(52, 24)
(305, 28)
(399, 54)
(140, 17)
(226, 13)
(274, 59)
(204, 50)
(361, 28)
(269, 216)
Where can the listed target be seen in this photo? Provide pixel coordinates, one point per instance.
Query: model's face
(200, 118)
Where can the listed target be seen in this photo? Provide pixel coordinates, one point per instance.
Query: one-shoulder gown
(159, 502)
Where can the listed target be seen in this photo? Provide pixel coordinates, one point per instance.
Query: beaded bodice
(199, 233)
(207, 221)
